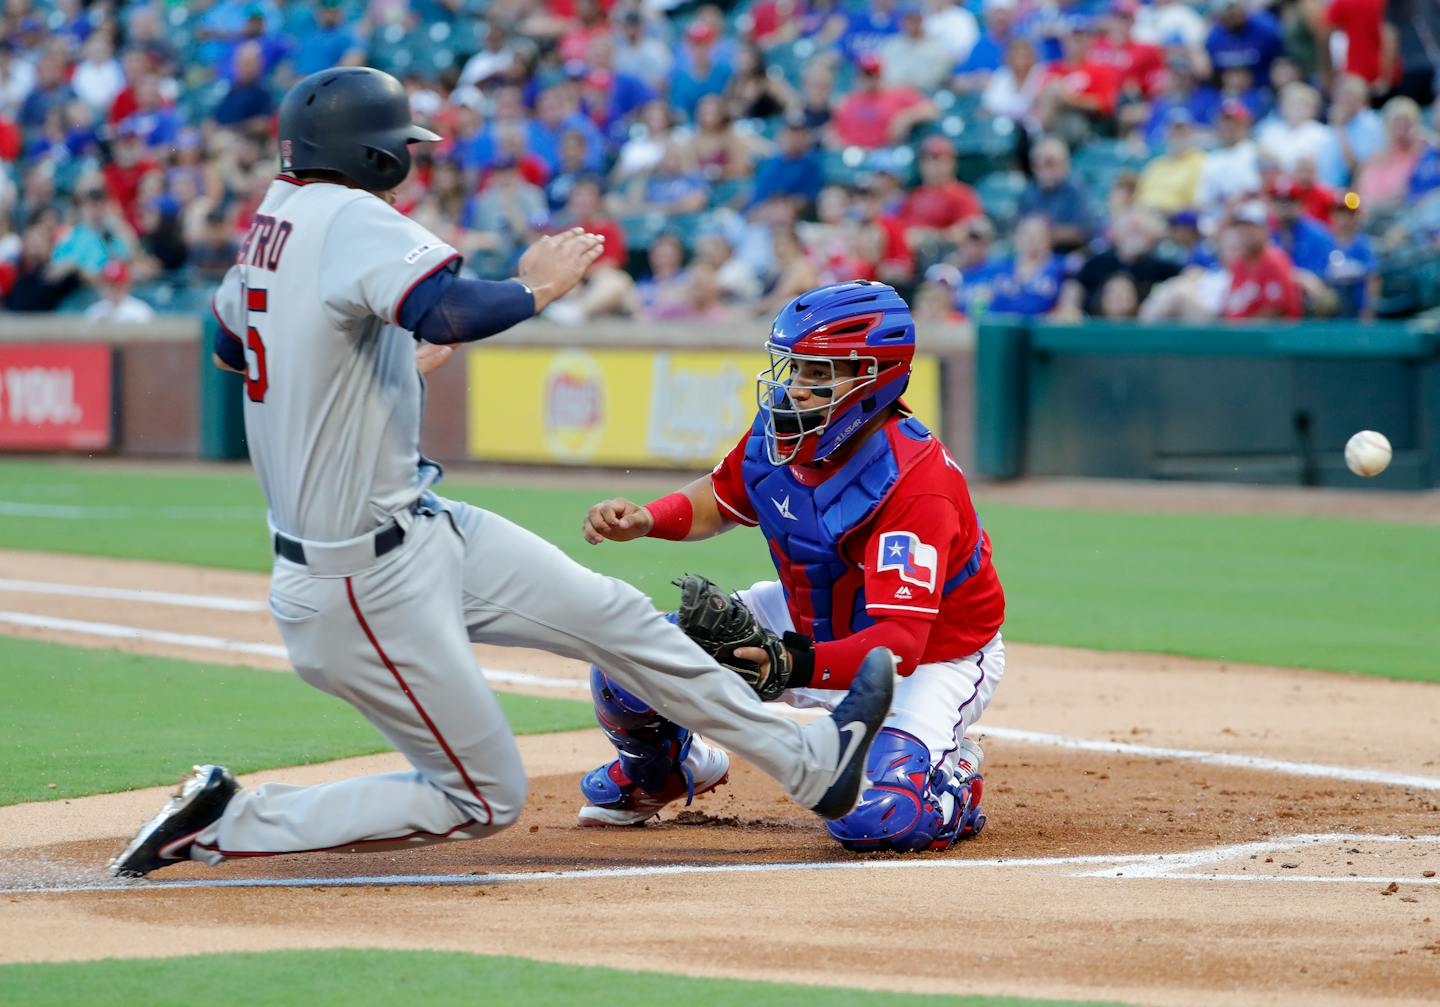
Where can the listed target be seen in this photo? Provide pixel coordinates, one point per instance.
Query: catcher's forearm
(689, 514)
(837, 661)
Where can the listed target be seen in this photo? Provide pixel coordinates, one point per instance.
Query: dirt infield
(1126, 873)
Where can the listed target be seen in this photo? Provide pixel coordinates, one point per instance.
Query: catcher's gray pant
(389, 636)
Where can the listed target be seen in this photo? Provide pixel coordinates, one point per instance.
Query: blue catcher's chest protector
(805, 525)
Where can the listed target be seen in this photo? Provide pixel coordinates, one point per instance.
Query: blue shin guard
(651, 748)
(912, 805)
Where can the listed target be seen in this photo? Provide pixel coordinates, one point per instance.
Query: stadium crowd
(1063, 158)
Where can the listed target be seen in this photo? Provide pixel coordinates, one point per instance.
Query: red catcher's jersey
(920, 537)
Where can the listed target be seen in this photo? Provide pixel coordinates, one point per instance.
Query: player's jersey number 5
(257, 378)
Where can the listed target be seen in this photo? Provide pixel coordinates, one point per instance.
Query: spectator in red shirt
(872, 116)
(607, 289)
(128, 164)
(932, 209)
(590, 22)
(1079, 90)
(1316, 199)
(1262, 278)
(9, 138)
(1371, 46)
(882, 234)
(1141, 66)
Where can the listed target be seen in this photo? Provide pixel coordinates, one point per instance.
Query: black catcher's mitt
(721, 624)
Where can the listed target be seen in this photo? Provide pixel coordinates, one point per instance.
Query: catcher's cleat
(967, 776)
(858, 718)
(166, 838)
(614, 799)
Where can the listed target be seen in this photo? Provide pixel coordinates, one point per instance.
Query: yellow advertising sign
(652, 408)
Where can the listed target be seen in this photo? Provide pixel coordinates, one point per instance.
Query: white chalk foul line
(1161, 866)
(81, 512)
(586, 874)
(1313, 770)
(1185, 864)
(115, 632)
(206, 601)
(202, 642)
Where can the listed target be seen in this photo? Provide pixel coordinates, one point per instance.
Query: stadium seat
(1000, 193)
(730, 191)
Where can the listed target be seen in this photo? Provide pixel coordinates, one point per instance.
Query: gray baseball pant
(391, 638)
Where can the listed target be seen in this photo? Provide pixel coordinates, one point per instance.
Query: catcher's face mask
(800, 394)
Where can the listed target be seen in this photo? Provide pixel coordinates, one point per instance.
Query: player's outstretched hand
(618, 520)
(553, 265)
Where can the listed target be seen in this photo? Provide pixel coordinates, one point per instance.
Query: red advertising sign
(56, 396)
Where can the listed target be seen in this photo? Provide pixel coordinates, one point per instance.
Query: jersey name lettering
(264, 243)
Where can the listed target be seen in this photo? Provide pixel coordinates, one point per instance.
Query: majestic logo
(783, 506)
(903, 552)
(904, 592)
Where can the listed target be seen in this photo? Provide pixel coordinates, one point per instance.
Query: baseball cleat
(967, 775)
(614, 799)
(166, 838)
(858, 719)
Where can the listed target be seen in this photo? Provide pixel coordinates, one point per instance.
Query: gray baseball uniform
(379, 583)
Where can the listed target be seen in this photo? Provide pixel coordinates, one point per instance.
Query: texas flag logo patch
(903, 552)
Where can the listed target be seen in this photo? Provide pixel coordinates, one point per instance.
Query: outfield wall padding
(1270, 404)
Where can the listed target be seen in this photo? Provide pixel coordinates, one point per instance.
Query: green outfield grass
(1329, 593)
(384, 978)
(97, 721)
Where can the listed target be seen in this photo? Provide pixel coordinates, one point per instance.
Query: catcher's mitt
(721, 624)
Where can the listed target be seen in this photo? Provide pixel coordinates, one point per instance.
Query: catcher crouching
(880, 556)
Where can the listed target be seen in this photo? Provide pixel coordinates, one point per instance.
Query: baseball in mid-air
(1367, 453)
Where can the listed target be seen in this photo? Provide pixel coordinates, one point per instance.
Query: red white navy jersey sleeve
(727, 482)
(908, 557)
(374, 256)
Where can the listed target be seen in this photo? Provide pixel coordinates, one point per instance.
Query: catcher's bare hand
(618, 520)
(757, 656)
(429, 356)
(553, 265)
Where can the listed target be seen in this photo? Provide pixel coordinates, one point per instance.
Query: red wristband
(673, 515)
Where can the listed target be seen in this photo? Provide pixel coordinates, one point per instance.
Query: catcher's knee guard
(651, 748)
(912, 805)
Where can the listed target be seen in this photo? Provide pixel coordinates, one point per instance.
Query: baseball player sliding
(379, 584)
(876, 542)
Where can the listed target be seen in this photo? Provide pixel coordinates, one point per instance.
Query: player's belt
(386, 539)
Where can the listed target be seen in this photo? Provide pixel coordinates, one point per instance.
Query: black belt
(385, 540)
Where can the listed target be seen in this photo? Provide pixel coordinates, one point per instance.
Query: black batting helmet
(354, 120)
